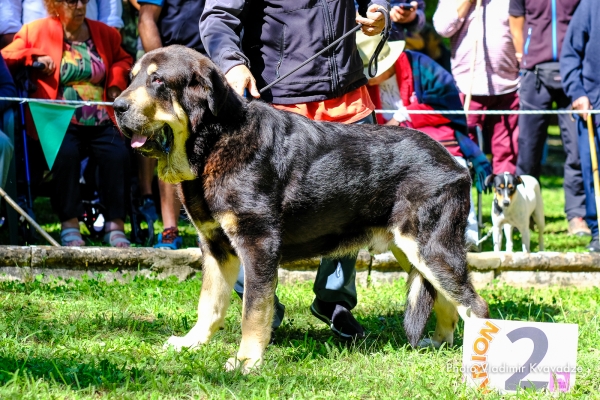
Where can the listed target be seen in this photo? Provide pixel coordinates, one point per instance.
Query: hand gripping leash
(372, 62)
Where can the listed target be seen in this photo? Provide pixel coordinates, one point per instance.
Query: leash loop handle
(385, 34)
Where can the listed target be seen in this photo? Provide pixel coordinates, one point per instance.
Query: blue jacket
(279, 35)
(7, 86)
(580, 57)
(178, 22)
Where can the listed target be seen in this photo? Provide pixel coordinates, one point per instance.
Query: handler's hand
(402, 16)
(112, 93)
(240, 78)
(374, 23)
(582, 103)
(49, 65)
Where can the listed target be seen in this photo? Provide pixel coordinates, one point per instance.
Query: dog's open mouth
(160, 139)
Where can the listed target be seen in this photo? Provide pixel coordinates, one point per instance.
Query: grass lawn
(90, 339)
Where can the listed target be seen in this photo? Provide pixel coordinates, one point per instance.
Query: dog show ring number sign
(508, 355)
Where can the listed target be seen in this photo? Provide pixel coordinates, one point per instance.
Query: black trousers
(533, 131)
(105, 146)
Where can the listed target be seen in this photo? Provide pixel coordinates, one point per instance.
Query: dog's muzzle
(150, 138)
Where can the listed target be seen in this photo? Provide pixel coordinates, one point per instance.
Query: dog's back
(341, 185)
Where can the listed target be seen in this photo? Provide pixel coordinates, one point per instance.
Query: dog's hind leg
(525, 238)
(400, 257)
(421, 291)
(419, 303)
(538, 218)
(218, 277)
(436, 248)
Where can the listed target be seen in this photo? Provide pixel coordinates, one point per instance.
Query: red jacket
(435, 125)
(45, 37)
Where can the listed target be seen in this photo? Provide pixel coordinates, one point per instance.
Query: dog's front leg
(218, 277)
(497, 237)
(508, 232)
(259, 252)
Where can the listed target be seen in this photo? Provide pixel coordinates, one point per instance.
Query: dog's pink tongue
(138, 140)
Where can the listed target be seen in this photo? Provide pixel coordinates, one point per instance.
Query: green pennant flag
(51, 122)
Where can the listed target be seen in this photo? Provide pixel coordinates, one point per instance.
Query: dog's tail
(419, 303)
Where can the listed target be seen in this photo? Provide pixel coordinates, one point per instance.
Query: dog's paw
(245, 366)
(433, 344)
(180, 342)
(427, 344)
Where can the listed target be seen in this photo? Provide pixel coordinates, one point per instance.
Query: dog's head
(173, 90)
(505, 187)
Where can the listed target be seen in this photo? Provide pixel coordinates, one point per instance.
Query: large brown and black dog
(264, 186)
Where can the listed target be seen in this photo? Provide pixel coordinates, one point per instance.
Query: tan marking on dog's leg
(217, 283)
(400, 257)
(411, 248)
(228, 221)
(447, 318)
(151, 69)
(256, 333)
(136, 69)
(415, 288)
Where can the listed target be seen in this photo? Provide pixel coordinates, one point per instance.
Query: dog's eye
(158, 80)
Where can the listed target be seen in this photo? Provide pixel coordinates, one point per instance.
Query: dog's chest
(516, 214)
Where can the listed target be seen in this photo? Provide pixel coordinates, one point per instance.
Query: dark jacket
(580, 56)
(278, 36)
(546, 23)
(178, 23)
(7, 86)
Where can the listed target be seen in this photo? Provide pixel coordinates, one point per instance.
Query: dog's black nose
(506, 203)
(120, 105)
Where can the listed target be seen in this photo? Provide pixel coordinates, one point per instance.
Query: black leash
(372, 62)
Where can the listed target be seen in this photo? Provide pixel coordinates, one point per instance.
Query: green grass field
(90, 339)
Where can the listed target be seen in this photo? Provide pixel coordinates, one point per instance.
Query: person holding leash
(277, 37)
(579, 70)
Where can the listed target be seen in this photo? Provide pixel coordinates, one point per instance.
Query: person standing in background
(579, 71)
(15, 13)
(538, 29)
(495, 79)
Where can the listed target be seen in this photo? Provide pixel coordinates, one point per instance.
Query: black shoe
(594, 246)
(338, 318)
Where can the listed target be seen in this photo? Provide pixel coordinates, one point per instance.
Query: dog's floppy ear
(206, 86)
(220, 91)
(489, 180)
(518, 180)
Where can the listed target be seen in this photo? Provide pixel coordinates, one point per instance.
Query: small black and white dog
(517, 203)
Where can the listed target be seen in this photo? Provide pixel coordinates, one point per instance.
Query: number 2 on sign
(540, 348)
